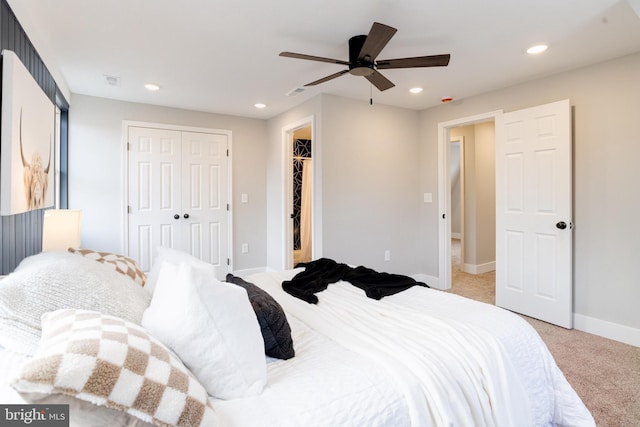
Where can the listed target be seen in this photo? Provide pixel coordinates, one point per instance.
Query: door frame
(444, 191)
(460, 141)
(126, 124)
(287, 192)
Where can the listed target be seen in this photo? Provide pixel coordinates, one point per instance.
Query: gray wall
(370, 181)
(97, 170)
(376, 162)
(606, 101)
(366, 182)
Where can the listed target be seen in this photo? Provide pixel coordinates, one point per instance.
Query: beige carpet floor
(604, 373)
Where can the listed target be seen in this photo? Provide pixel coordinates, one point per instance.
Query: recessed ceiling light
(415, 90)
(112, 80)
(152, 87)
(539, 48)
(260, 105)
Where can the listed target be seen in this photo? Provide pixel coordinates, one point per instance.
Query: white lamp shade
(61, 229)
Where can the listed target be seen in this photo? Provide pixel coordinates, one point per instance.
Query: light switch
(244, 248)
(428, 197)
(244, 198)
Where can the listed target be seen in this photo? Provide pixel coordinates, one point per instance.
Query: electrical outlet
(387, 255)
(245, 248)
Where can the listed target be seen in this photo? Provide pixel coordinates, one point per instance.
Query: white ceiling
(222, 56)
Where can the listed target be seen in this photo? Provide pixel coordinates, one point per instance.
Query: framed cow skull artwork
(27, 141)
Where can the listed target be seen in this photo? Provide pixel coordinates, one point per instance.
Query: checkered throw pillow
(120, 263)
(110, 362)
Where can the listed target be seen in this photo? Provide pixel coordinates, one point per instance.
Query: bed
(252, 354)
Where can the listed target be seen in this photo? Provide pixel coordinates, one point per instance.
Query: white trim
(126, 124)
(444, 192)
(479, 268)
(432, 281)
(130, 123)
(230, 253)
(124, 167)
(56, 159)
(603, 328)
(457, 236)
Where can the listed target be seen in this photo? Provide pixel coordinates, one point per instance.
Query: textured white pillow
(173, 256)
(211, 327)
(54, 280)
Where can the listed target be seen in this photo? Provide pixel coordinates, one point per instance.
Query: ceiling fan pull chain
(370, 94)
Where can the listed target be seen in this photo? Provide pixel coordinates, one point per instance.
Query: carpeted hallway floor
(604, 373)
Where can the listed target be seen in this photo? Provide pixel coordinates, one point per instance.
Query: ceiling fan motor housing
(359, 67)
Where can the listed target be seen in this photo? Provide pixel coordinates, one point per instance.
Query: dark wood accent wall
(21, 235)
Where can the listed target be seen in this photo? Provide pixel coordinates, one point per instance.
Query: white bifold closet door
(178, 195)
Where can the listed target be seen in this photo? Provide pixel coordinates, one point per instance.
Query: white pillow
(211, 327)
(174, 256)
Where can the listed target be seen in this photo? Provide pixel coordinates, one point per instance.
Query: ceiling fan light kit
(363, 51)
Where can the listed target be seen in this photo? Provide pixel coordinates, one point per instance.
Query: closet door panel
(206, 196)
(154, 191)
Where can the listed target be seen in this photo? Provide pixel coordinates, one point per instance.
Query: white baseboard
(479, 268)
(432, 281)
(607, 329)
(456, 235)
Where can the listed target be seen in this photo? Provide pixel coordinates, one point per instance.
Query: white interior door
(154, 192)
(178, 195)
(534, 213)
(204, 196)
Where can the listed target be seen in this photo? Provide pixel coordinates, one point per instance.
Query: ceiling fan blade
(326, 79)
(418, 61)
(313, 58)
(379, 81)
(378, 37)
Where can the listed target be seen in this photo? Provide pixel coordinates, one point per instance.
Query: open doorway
(477, 197)
(300, 240)
(302, 180)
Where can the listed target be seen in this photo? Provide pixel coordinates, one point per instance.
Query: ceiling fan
(363, 51)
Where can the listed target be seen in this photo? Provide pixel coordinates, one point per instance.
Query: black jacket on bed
(321, 273)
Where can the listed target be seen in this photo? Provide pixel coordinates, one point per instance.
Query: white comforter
(420, 358)
(457, 362)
